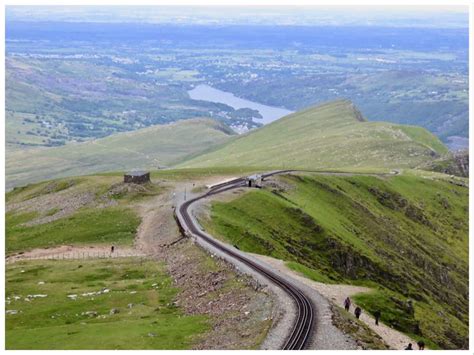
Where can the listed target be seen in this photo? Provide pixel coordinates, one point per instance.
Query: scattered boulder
(30, 297)
(90, 314)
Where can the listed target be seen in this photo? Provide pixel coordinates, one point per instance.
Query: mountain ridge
(331, 135)
(148, 148)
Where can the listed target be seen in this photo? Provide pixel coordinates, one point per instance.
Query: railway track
(299, 336)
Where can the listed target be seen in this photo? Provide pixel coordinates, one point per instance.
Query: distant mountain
(332, 136)
(148, 148)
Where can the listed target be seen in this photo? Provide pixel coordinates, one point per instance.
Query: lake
(208, 93)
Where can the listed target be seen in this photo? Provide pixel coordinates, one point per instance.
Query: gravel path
(336, 294)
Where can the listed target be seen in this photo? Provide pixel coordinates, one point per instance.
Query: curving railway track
(299, 337)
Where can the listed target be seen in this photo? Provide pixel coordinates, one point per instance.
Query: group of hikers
(377, 314)
(358, 310)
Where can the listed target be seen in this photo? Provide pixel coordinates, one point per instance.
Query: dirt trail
(336, 294)
(75, 252)
(158, 229)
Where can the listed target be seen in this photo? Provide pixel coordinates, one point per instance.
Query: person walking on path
(347, 304)
(377, 315)
(112, 248)
(409, 347)
(358, 312)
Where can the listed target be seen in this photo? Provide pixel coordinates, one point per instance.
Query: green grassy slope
(406, 236)
(80, 211)
(89, 226)
(333, 135)
(147, 148)
(60, 322)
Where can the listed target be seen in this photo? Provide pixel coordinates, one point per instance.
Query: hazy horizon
(389, 16)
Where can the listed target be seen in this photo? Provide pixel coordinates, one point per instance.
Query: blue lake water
(208, 93)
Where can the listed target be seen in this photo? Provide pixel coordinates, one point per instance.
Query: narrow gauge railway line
(299, 337)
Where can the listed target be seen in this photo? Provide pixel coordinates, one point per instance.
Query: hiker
(347, 304)
(421, 345)
(357, 312)
(112, 248)
(377, 315)
(409, 347)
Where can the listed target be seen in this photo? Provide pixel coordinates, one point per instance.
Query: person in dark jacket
(421, 345)
(347, 304)
(409, 347)
(357, 312)
(377, 315)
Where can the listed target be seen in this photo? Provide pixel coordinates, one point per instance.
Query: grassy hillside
(79, 211)
(105, 226)
(405, 236)
(147, 148)
(151, 310)
(333, 135)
